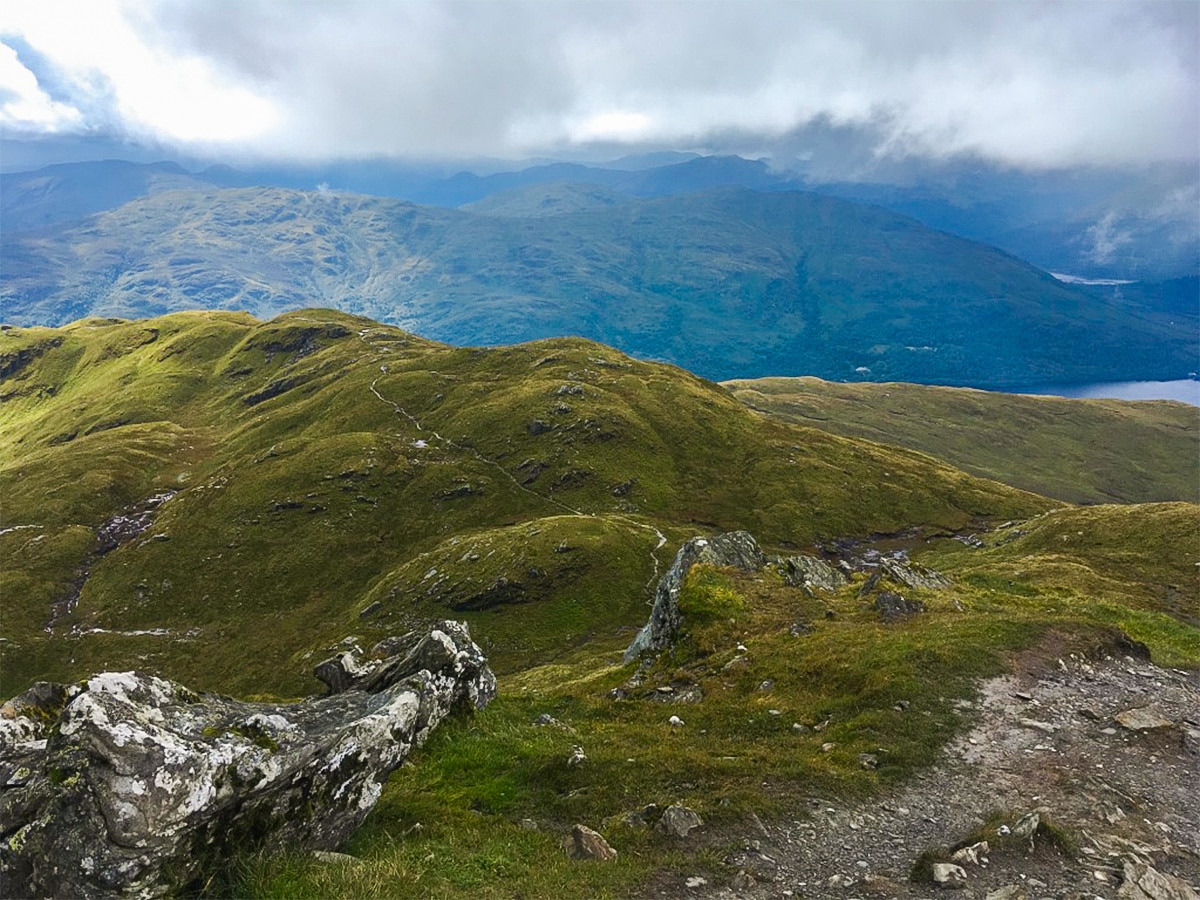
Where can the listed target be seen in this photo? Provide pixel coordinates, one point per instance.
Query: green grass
(307, 491)
(890, 690)
(1081, 451)
(529, 503)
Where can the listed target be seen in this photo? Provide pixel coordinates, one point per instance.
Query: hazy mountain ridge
(71, 191)
(68, 191)
(1131, 225)
(727, 283)
(1134, 225)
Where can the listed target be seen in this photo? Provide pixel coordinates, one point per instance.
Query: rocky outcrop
(809, 573)
(1143, 882)
(736, 548)
(130, 785)
(899, 574)
(913, 575)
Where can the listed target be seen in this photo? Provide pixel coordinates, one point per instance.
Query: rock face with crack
(736, 548)
(739, 550)
(131, 785)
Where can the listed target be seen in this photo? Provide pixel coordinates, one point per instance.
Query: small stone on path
(584, 843)
(1142, 718)
(949, 875)
(678, 821)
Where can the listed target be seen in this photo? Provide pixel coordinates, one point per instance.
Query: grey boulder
(130, 785)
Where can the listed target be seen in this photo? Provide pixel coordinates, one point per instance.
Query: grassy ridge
(317, 457)
(1133, 564)
(337, 477)
(785, 713)
(1081, 451)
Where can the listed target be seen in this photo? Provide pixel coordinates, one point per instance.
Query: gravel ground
(1048, 738)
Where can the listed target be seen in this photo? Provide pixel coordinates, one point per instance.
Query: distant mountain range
(729, 282)
(68, 191)
(1142, 225)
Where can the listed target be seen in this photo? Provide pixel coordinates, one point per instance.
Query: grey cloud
(1030, 85)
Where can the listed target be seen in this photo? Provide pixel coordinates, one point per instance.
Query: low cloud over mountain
(1031, 86)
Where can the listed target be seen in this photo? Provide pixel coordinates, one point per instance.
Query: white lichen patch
(117, 683)
(14, 732)
(184, 795)
(83, 712)
(129, 785)
(370, 795)
(272, 724)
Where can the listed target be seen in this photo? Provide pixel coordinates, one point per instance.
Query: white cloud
(101, 50)
(610, 126)
(1035, 85)
(1105, 238)
(25, 106)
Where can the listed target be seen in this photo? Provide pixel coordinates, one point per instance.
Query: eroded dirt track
(1048, 738)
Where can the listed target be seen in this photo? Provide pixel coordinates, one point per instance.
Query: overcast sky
(1034, 85)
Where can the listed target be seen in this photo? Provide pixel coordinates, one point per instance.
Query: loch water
(1184, 390)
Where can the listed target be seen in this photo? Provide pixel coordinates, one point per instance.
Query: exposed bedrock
(127, 784)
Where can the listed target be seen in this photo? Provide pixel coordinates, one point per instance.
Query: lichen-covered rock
(678, 821)
(913, 575)
(736, 548)
(901, 574)
(134, 786)
(808, 572)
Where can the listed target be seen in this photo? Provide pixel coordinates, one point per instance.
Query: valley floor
(1046, 739)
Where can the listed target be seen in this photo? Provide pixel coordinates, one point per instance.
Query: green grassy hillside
(324, 463)
(727, 283)
(1081, 451)
(320, 477)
